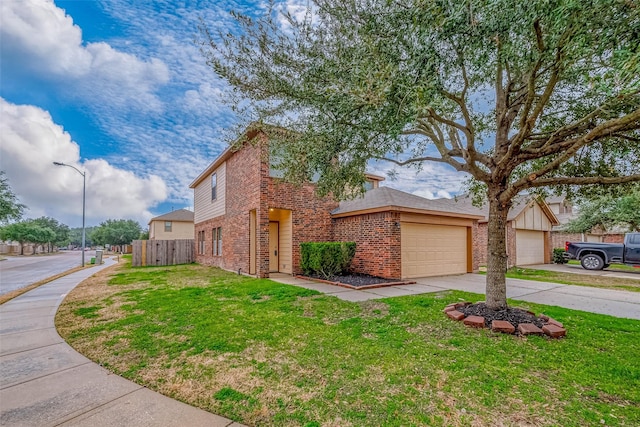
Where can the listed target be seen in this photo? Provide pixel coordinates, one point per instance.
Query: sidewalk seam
(35, 348)
(100, 406)
(47, 375)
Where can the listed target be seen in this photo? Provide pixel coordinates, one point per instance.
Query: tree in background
(75, 236)
(10, 208)
(116, 232)
(521, 95)
(60, 230)
(608, 212)
(27, 232)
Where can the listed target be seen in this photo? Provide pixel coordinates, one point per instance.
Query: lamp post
(84, 181)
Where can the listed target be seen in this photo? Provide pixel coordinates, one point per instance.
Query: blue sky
(119, 89)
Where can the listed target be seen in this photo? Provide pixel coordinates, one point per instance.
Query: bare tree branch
(586, 180)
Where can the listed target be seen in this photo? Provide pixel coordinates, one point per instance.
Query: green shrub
(558, 256)
(326, 258)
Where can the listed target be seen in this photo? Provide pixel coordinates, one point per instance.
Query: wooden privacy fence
(163, 252)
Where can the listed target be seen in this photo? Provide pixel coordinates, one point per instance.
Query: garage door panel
(529, 247)
(433, 250)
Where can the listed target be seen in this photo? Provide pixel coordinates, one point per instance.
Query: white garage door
(529, 247)
(433, 250)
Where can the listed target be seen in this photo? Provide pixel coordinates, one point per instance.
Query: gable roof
(464, 203)
(389, 199)
(183, 215)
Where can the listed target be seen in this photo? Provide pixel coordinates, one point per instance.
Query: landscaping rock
(529, 329)
(510, 320)
(514, 315)
(554, 331)
(474, 321)
(448, 308)
(455, 315)
(554, 322)
(462, 304)
(502, 326)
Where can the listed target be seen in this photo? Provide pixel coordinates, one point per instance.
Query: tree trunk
(496, 289)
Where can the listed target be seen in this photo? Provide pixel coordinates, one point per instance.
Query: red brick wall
(208, 258)
(249, 187)
(613, 238)
(310, 214)
(558, 238)
(377, 238)
(242, 192)
(481, 238)
(512, 254)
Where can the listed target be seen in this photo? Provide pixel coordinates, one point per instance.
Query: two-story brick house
(247, 219)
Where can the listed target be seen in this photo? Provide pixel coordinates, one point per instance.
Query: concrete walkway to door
(44, 382)
(616, 303)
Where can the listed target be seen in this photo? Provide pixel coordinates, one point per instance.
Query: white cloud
(298, 10)
(432, 181)
(40, 36)
(29, 144)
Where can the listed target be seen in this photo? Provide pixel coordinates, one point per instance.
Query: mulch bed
(511, 320)
(357, 281)
(513, 315)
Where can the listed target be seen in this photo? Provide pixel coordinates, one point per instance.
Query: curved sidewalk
(44, 382)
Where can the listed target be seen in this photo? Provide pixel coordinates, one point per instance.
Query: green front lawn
(621, 267)
(595, 281)
(269, 354)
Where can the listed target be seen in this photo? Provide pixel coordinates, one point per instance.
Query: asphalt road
(19, 271)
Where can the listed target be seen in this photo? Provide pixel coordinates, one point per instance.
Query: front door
(274, 233)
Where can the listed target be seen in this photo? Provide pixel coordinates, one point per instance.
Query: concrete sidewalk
(44, 382)
(616, 303)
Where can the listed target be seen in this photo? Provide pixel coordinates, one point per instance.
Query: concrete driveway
(577, 269)
(625, 304)
(615, 303)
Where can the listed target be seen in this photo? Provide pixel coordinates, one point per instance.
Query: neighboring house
(247, 219)
(565, 212)
(561, 208)
(529, 226)
(171, 226)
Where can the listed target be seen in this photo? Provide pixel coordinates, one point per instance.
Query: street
(19, 271)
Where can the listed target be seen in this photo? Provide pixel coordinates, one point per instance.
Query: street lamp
(84, 181)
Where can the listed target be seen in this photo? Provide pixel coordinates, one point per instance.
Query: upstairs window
(214, 186)
(167, 226)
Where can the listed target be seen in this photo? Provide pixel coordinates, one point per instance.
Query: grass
(595, 281)
(614, 267)
(269, 354)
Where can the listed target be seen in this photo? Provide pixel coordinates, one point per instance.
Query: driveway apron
(615, 303)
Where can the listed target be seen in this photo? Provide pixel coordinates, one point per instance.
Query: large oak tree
(521, 95)
(10, 208)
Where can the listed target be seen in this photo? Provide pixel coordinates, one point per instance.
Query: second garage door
(433, 250)
(529, 247)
